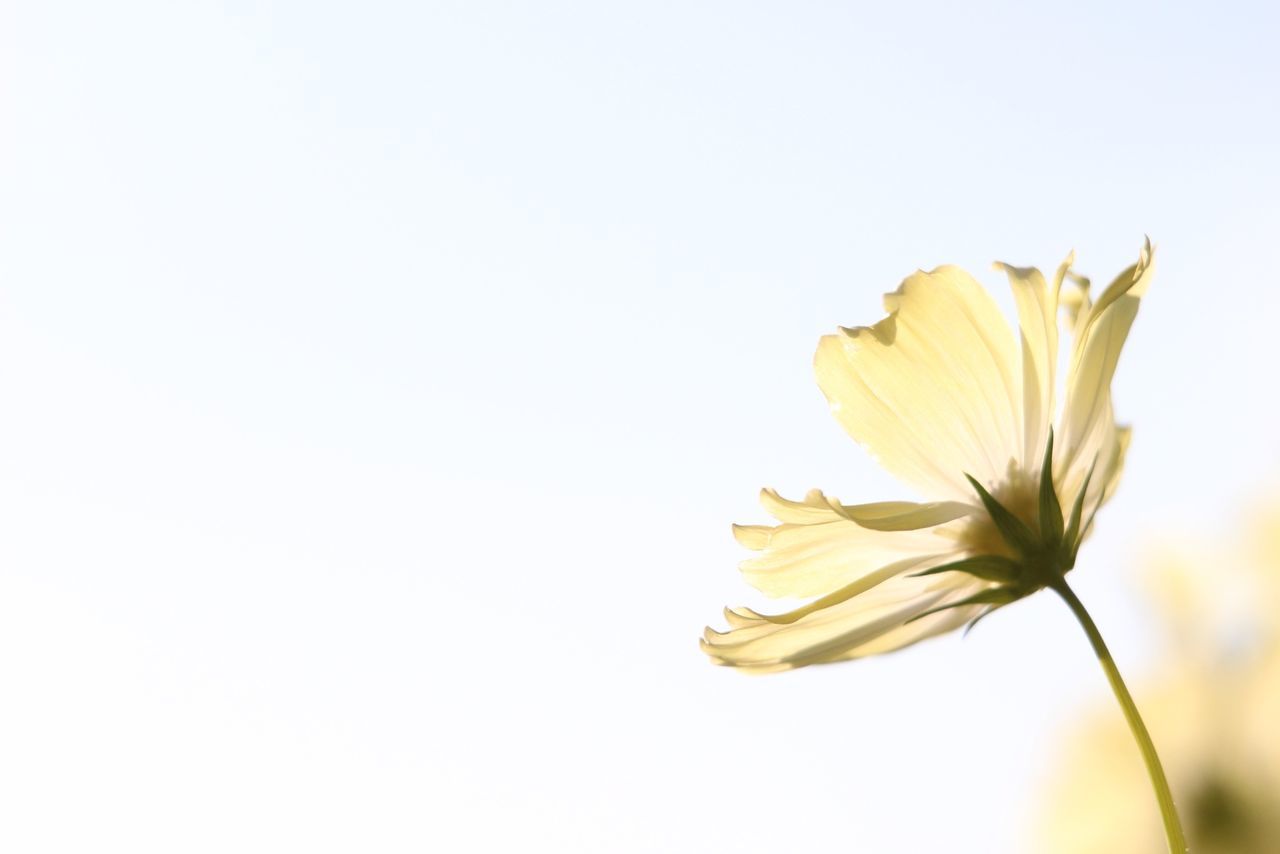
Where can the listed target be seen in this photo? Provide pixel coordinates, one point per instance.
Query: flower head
(945, 398)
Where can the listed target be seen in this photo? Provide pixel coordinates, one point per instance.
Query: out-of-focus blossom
(946, 398)
(1214, 707)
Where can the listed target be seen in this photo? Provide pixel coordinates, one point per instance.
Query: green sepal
(990, 609)
(986, 567)
(1050, 509)
(1014, 530)
(1073, 526)
(990, 596)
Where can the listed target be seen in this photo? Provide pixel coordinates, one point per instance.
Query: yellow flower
(944, 397)
(1213, 707)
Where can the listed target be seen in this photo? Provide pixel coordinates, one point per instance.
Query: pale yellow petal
(1037, 304)
(1133, 281)
(753, 536)
(874, 621)
(880, 515)
(845, 593)
(811, 560)
(930, 390)
(918, 630)
(907, 515)
(1087, 433)
(1100, 332)
(1103, 451)
(1089, 385)
(815, 508)
(823, 545)
(1115, 461)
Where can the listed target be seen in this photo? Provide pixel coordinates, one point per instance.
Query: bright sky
(379, 382)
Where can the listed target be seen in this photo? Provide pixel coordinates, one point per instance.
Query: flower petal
(1115, 463)
(1038, 322)
(822, 546)
(929, 390)
(906, 515)
(1108, 445)
(874, 621)
(880, 515)
(937, 623)
(845, 593)
(1088, 424)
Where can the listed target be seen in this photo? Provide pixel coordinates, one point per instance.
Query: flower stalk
(1168, 812)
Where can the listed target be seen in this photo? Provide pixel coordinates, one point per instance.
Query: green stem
(1172, 827)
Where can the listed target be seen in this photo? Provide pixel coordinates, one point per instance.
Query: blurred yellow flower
(946, 399)
(1214, 708)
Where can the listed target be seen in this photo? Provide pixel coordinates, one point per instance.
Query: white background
(378, 383)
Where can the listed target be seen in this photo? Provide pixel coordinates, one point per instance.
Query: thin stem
(1172, 827)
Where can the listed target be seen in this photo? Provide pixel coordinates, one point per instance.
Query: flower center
(1024, 543)
(1019, 496)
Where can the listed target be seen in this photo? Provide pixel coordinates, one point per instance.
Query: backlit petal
(930, 390)
(820, 547)
(1087, 430)
(1037, 304)
(872, 622)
